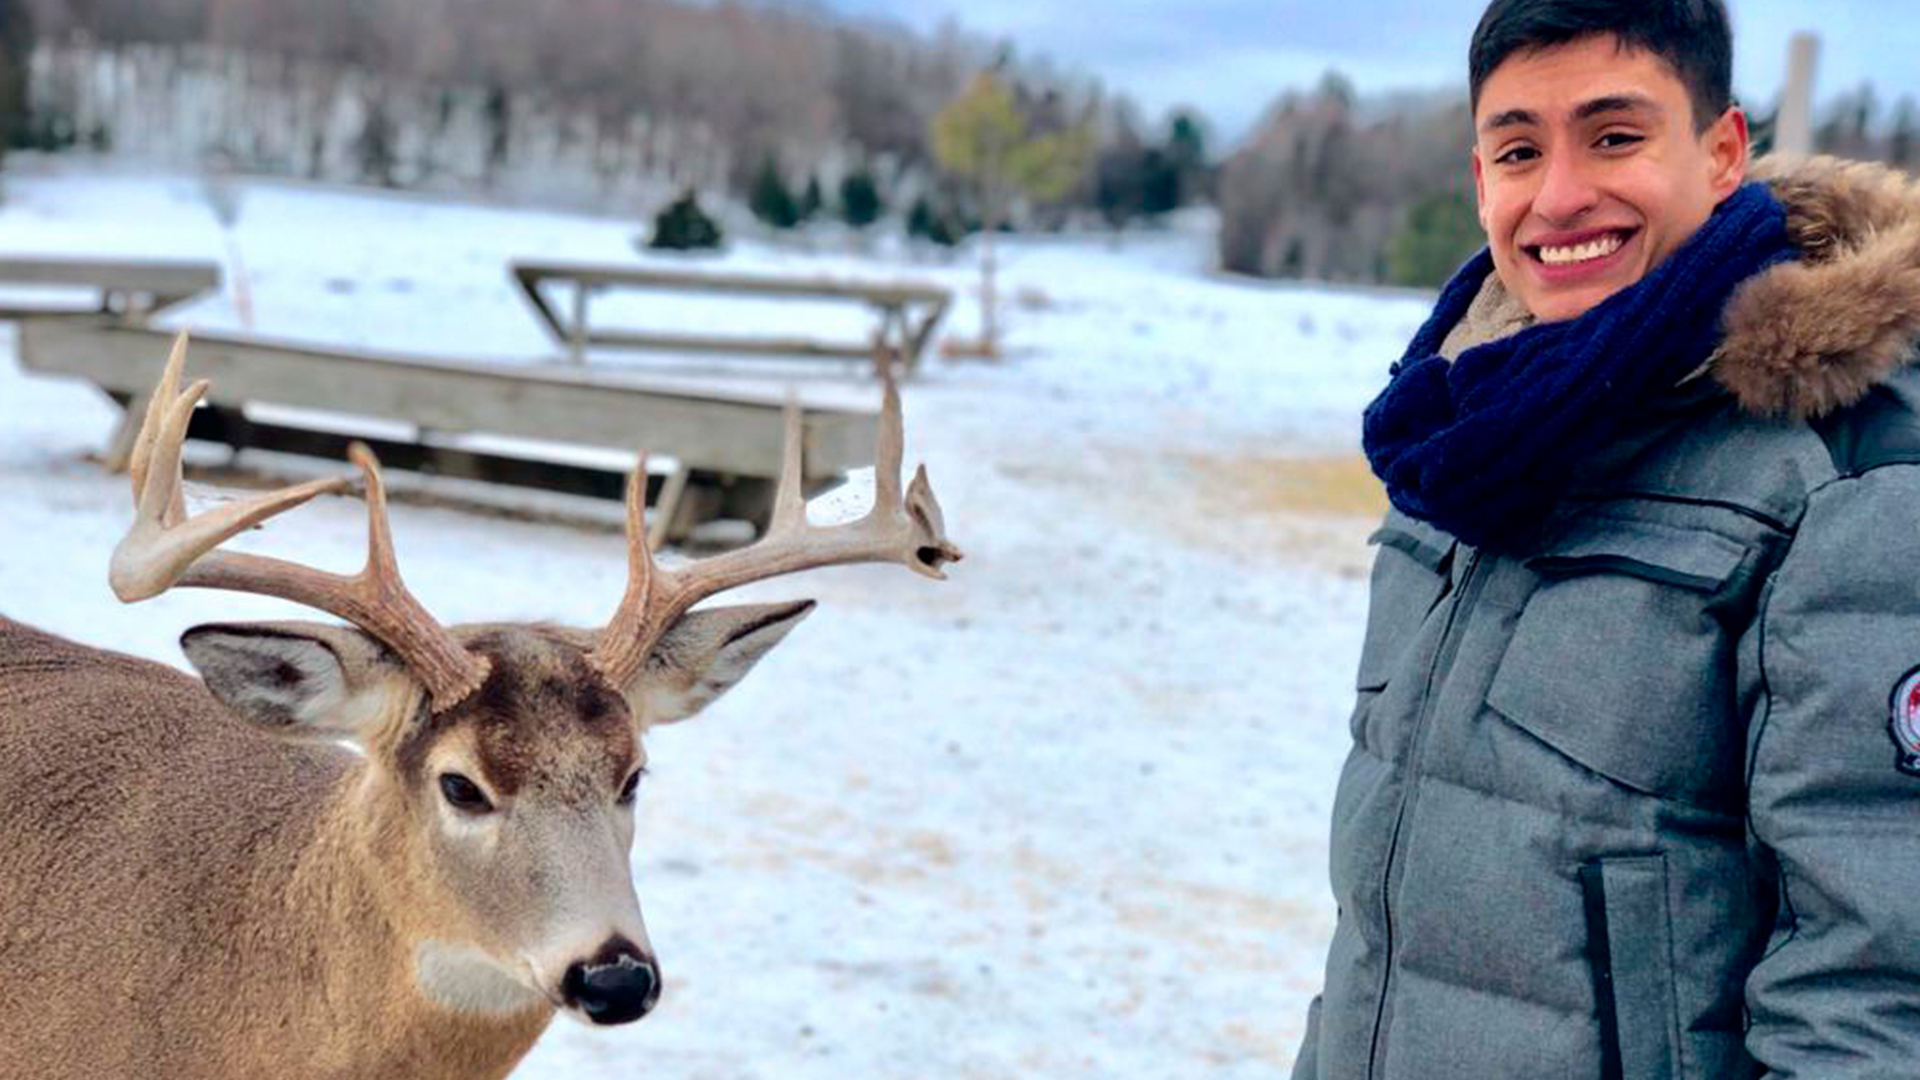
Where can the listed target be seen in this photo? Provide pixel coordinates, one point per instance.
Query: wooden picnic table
(130, 289)
(725, 448)
(908, 313)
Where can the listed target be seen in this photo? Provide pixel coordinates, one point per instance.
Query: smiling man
(1635, 783)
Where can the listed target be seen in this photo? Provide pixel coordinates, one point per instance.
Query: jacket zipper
(1442, 658)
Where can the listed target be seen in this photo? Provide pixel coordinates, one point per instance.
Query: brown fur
(131, 896)
(195, 885)
(1809, 337)
(547, 681)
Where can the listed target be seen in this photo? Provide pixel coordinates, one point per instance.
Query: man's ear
(1729, 145)
(704, 655)
(301, 680)
(1479, 190)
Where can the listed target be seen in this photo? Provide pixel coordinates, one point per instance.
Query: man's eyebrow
(1616, 103)
(1587, 110)
(1510, 118)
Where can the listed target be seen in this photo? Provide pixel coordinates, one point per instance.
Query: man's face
(1590, 171)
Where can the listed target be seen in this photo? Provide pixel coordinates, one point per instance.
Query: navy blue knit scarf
(1483, 446)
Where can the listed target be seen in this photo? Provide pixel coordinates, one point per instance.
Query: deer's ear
(705, 654)
(301, 680)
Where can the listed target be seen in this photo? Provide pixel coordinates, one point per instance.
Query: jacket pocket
(1620, 660)
(1409, 577)
(1630, 944)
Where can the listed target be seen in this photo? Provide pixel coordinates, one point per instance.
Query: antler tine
(165, 548)
(629, 623)
(789, 501)
(158, 407)
(888, 454)
(912, 534)
(640, 553)
(162, 543)
(380, 559)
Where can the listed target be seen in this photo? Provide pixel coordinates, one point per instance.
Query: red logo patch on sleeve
(1904, 725)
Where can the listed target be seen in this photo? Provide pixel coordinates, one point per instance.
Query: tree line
(1330, 187)
(795, 110)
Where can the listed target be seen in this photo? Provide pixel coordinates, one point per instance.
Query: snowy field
(1062, 816)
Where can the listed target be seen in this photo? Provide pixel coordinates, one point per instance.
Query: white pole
(1793, 128)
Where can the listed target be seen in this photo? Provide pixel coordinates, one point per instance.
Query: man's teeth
(1592, 249)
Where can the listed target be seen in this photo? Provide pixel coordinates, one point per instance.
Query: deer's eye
(464, 794)
(631, 788)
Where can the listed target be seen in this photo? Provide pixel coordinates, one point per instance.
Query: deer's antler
(165, 548)
(908, 530)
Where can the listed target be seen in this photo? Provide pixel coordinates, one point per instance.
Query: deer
(380, 849)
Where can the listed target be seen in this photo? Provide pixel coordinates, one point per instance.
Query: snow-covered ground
(1061, 816)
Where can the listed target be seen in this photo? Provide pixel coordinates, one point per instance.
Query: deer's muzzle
(619, 986)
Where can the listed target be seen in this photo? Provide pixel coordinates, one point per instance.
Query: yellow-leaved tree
(982, 138)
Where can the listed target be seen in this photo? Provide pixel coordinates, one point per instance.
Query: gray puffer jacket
(1641, 799)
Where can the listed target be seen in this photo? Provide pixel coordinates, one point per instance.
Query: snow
(1063, 815)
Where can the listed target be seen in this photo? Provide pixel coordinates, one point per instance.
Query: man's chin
(1560, 305)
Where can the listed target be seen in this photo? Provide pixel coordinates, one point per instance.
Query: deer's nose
(620, 985)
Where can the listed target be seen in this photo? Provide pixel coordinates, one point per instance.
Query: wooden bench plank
(733, 435)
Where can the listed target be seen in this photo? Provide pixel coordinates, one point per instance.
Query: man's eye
(1517, 155)
(1613, 140)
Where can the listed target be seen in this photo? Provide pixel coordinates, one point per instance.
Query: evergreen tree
(16, 47)
(1901, 143)
(1133, 179)
(499, 110)
(811, 200)
(1440, 233)
(770, 199)
(930, 222)
(375, 146)
(860, 203)
(1117, 192)
(683, 226)
(1160, 187)
(1186, 143)
(920, 219)
(1187, 155)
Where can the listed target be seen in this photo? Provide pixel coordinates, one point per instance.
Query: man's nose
(1567, 191)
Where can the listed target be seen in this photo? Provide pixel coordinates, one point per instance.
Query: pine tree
(811, 200)
(860, 203)
(770, 199)
(1901, 143)
(929, 221)
(1187, 154)
(16, 47)
(1159, 183)
(499, 112)
(683, 226)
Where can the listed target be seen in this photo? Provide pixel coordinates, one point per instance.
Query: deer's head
(501, 762)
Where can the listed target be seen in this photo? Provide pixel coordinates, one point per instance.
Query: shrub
(860, 203)
(683, 226)
(769, 198)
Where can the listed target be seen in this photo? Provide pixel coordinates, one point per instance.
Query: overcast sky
(1230, 58)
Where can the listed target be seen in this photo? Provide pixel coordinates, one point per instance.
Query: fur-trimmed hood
(1808, 337)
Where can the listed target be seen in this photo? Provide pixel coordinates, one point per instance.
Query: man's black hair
(1691, 35)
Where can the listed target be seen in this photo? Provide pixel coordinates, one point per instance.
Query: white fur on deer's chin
(469, 982)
